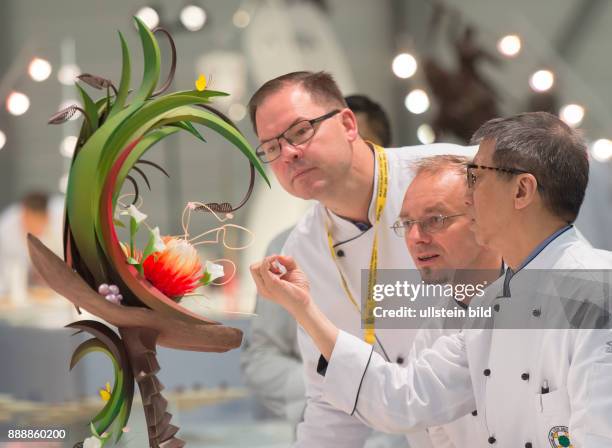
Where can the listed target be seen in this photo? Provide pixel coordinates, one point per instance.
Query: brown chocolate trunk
(140, 344)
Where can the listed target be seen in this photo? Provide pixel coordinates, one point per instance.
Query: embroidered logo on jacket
(558, 436)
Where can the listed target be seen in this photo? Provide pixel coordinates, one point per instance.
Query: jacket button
(491, 440)
(340, 253)
(474, 413)
(487, 372)
(525, 376)
(528, 445)
(536, 313)
(496, 307)
(400, 360)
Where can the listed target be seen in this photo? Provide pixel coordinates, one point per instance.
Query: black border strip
(361, 382)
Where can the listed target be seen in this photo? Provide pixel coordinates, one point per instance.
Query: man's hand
(290, 290)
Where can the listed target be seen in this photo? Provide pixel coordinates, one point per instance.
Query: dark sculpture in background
(465, 99)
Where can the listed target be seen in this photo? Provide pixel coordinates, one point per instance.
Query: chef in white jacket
(539, 387)
(436, 229)
(310, 139)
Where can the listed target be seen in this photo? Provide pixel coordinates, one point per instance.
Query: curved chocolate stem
(226, 207)
(140, 344)
(170, 77)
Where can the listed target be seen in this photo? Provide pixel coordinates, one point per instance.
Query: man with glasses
(270, 358)
(435, 224)
(311, 141)
(535, 386)
(436, 229)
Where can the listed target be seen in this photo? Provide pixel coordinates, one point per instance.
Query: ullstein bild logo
(531, 299)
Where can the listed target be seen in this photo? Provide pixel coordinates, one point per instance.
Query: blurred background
(439, 70)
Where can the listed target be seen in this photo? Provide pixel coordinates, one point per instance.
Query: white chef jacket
(500, 372)
(466, 431)
(324, 425)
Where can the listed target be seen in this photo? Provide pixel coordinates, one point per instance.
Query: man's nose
(288, 151)
(416, 235)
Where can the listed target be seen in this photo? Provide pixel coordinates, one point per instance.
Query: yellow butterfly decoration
(105, 393)
(201, 83)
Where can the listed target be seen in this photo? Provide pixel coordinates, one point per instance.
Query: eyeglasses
(431, 224)
(297, 134)
(471, 177)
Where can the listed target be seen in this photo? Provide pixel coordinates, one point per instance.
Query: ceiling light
(404, 65)
(602, 150)
(572, 114)
(417, 101)
(509, 45)
(39, 69)
(17, 103)
(426, 134)
(149, 16)
(542, 80)
(193, 17)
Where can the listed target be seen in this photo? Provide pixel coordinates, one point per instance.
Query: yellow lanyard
(369, 334)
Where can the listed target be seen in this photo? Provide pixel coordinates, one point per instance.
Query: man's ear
(526, 191)
(349, 122)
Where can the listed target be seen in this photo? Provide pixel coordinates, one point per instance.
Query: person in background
(372, 120)
(42, 216)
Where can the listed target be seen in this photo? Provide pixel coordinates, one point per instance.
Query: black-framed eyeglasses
(431, 224)
(471, 177)
(298, 134)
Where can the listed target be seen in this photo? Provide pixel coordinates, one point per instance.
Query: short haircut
(543, 145)
(320, 85)
(376, 116)
(35, 202)
(437, 164)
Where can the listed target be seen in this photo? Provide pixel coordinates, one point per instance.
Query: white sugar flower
(158, 244)
(92, 442)
(133, 212)
(214, 270)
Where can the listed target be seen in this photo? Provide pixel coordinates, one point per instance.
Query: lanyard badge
(381, 197)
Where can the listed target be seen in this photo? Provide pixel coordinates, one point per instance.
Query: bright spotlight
(572, 114)
(426, 134)
(602, 150)
(509, 45)
(2, 139)
(404, 65)
(17, 103)
(542, 80)
(417, 101)
(193, 17)
(149, 16)
(39, 69)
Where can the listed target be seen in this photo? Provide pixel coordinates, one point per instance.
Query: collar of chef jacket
(534, 253)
